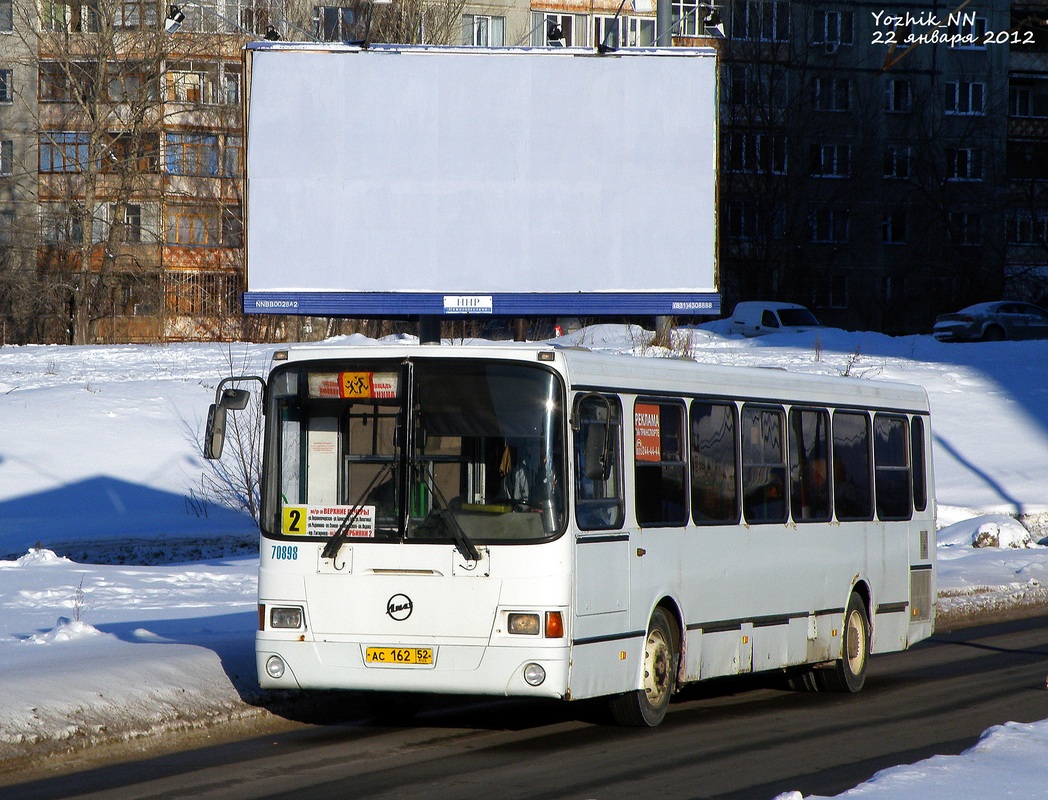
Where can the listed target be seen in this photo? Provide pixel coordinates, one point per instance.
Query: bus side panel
(602, 639)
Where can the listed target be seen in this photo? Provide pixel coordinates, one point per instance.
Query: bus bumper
(456, 669)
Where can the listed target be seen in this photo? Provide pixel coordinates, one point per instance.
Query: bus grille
(920, 595)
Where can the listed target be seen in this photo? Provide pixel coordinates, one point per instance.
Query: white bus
(538, 521)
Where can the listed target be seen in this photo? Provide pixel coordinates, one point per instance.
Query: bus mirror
(596, 466)
(234, 399)
(215, 434)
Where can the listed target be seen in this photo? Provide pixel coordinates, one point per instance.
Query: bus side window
(810, 465)
(892, 481)
(763, 464)
(920, 473)
(852, 483)
(598, 488)
(659, 464)
(714, 463)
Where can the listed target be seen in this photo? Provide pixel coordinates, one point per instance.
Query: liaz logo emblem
(399, 607)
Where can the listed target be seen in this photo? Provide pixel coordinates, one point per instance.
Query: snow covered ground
(127, 592)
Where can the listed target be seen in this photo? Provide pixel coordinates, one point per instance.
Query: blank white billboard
(502, 179)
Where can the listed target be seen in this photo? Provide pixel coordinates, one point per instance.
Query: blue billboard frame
(499, 304)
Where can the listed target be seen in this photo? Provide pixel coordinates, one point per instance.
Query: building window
(341, 24)
(964, 164)
(833, 28)
(689, 18)
(203, 154)
(63, 151)
(61, 223)
(129, 152)
(7, 94)
(831, 94)
(826, 225)
(203, 83)
(204, 226)
(7, 17)
(897, 96)
(761, 20)
(966, 32)
(964, 97)
(758, 86)
(7, 157)
(1027, 227)
(897, 162)
(964, 228)
(67, 81)
(134, 14)
(483, 31)
(232, 226)
(831, 160)
(7, 227)
(758, 153)
(748, 221)
(893, 228)
(1028, 98)
(557, 30)
(70, 16)
(1027, 160)
(130, 82)
(193, 226)
(831, 291)
(623, 31)
(204, 294)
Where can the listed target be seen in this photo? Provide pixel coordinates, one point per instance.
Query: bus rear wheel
(647, 707)
(849, 673)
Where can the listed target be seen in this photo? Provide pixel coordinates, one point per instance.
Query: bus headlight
(534, 674)
(275, 667)
(527, 624)
(285, 617)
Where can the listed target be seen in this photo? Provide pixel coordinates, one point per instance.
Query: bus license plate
(397, 656)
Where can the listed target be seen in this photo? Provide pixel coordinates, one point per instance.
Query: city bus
(538, 521)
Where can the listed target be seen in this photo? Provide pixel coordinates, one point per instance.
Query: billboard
(400, 181)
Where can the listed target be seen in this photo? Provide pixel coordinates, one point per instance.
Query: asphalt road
(743, 738)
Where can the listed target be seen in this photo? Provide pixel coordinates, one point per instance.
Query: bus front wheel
(646, 707)
(849, 673)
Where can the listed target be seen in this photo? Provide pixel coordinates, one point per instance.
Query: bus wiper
(462, 541)
(339, 538)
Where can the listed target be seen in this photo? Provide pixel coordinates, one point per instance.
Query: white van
(758, 317)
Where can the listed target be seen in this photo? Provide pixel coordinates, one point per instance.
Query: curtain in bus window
(763, 464)
(659, 464)
(892, 469)
(714, 467)
(809, 465)
(852, 485)
(598, 501)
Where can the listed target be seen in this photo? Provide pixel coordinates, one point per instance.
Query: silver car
(992, 322)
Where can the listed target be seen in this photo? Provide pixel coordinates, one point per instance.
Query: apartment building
(878, 165)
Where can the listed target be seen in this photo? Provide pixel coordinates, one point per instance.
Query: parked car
(992, 322)
(758, 317)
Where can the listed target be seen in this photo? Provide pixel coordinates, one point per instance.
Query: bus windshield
(416, 450)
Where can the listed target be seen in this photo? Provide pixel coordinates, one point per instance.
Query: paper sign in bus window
(647, 427)
(325, 520)
(353, 385)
